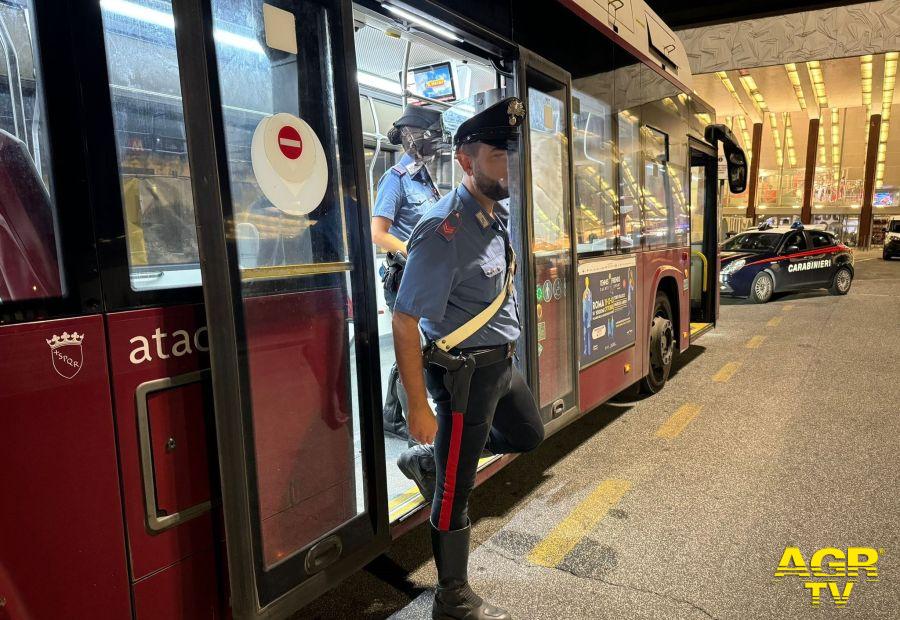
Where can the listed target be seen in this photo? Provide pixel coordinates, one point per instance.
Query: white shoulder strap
(481, 319)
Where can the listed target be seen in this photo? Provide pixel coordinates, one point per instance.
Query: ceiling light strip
(818, 81)
(794, 78)
(836, 144)
(887, 100)
(789, 140)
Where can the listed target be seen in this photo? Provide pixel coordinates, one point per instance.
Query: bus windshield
(752, 242)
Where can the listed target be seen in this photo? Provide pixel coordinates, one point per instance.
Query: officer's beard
(495, 189)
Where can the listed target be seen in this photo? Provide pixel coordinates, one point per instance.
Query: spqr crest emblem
(66, 354)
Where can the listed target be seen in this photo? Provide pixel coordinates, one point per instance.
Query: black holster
(394, 264)
(458, 377)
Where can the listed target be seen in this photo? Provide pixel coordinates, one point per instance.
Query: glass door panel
(549, 158)
(289, 301)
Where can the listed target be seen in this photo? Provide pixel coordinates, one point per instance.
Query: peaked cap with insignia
(497, 125)
(418, 116)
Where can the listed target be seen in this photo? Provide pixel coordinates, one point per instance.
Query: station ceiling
(681, 14)
(841, 83)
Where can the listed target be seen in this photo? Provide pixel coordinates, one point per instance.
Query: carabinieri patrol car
(759, 262)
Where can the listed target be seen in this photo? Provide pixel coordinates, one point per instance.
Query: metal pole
(405, 70)
(378, 136)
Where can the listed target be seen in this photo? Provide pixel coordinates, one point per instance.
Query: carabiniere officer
(458, 287)
(405, 193)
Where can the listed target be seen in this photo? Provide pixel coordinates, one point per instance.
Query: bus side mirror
(737, 168)
(735, 159)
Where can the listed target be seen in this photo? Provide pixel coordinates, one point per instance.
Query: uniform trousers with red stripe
(501, 416)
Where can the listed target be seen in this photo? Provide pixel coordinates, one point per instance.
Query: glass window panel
(549, 168)
(29, 241)
(596, 208)
(628, 97)
(698, 206)
(664, 127)
(150, 144)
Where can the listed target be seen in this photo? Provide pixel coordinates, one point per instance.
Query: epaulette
(449, 225)
(399, 170)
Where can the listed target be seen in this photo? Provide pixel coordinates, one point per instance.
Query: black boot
(417, 464)
(453, 597)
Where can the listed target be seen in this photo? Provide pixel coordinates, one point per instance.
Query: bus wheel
(662, 346)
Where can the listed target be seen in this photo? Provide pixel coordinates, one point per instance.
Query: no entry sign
(290, 142)
(289, 163)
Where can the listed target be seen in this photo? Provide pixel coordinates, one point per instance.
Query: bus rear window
(29, 243)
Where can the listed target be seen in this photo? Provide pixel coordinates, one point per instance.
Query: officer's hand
(423, 424)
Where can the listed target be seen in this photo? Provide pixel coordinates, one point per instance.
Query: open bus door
(704, 238)
(705, 208)
(549, 277)
(285, 259)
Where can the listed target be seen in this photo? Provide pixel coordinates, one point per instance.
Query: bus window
(29, 248)
(657, 190)
(150, 143)
(664, 128)
(549, 173)
(628, 97)
(596, 209)
(629, 178)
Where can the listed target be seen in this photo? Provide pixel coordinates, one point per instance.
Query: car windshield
(752, 242)
(895, 226)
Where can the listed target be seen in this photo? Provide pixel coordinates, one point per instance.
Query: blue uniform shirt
(454, 272)
(403, 197)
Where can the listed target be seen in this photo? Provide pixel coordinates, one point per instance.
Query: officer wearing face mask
(405, 192)
(458, 288)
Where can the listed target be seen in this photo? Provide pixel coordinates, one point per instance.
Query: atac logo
(65, 351)
(837, 570)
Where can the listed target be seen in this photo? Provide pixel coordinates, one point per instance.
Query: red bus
(192, 334)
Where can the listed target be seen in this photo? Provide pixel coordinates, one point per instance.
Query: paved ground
(780, 428)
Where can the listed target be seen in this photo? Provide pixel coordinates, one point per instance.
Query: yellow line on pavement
(677, 422)
(754, 342)
(584, 518)
(787, 307)
(726, 371)
(775, 321)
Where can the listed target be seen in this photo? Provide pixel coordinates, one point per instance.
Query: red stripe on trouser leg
(450, 471)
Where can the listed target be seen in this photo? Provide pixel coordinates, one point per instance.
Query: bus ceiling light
(421, 23)
(166, 20)
(378, 83)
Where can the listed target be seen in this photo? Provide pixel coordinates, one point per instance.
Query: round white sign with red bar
(289, 163)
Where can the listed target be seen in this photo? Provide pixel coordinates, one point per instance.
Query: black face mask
(421, 143)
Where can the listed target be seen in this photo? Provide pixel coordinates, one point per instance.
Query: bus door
(275, 150)
(704, 235)
(548, 308)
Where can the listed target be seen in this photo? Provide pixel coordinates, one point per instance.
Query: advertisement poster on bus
(606, 287)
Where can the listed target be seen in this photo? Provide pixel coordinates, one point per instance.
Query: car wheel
(842, 281)
(762, 288)
(662, 346)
